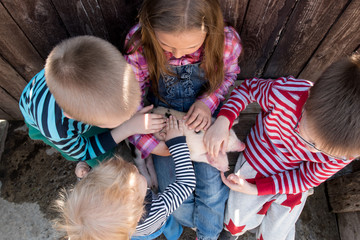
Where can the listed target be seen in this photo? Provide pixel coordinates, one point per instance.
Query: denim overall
(204, 209)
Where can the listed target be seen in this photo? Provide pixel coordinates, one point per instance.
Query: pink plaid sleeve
(232, 51)
(145, 143)
(138, 62)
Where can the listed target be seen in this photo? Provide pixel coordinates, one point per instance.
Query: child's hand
(82, 169)
(239, 184)
(217, 136)
(173, 128)
(144, 123)
(198, 117)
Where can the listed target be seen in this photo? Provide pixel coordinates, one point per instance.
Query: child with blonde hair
(304, 134)
(85, 89)
(113, 202)
(188, 56)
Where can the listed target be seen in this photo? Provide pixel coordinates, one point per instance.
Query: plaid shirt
(232, 50)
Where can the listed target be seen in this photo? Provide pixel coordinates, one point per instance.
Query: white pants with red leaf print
(273, 217)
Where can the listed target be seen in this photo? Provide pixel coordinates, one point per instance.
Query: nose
(177, 53)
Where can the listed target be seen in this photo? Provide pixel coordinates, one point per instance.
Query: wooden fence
(280, 37)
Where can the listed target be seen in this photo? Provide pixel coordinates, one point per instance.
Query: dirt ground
(32, 172)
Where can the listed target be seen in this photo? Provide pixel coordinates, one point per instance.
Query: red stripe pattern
(273, 149)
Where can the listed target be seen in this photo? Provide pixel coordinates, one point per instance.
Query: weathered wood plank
(341, 41)
(82, 17)
(9, 105)
(307, 26)
(263, 23)
(344, 193)
(10, 80)
(119, 17)
(39, 21)
(234, 12)
(252, 107)
(4, 115)
(349, 225)
(16, 48)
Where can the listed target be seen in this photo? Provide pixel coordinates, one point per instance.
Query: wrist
(223, 122)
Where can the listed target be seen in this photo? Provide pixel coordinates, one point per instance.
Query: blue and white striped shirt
(40, 110)
(160, 207)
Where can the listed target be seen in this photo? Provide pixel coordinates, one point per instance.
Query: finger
(235, 179)
(194, 124)
(224, 179)
(171, 121)
(157, 121)
(176, 124)
(154, 116)
(224, 146)
(146, 109)
(202, 125)
(167, 124)
(216, 150)
(181, 125)
(208, 124)
(190, 112)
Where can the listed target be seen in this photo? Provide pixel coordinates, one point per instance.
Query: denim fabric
(180, 91)
(204, 209)
(171, 229)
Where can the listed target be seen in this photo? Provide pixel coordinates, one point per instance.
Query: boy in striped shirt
(113, 201)
(304, 134)
(85, 89)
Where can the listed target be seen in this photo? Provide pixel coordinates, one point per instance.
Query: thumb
(146, 109)
(235, 179)
(224, 145)
(191, 109)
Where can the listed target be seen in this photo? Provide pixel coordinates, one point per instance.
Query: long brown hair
(178, 16)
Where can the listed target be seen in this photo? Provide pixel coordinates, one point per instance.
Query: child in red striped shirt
(304, 134)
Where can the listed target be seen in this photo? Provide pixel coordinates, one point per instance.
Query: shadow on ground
(32, 172)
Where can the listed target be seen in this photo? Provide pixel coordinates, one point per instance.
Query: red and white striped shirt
(272, 148)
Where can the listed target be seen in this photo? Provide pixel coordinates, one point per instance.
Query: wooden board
(119, 17)
(263, 23)
(4, 115)
(9, 105)
(39, 21)
(341, 41)
(349, 225)
(234, 12)
(307, 26)
(16, 48)
(10, 80)
(82, 17)
(344, 193)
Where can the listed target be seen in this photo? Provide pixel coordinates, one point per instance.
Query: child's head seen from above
(91, 81)
(106, 204)
(331, 117)
(181, 27)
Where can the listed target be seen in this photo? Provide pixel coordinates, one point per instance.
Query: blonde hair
(106, 204)
(91, 81)
(178, 16)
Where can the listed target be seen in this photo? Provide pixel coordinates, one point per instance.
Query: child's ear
(67, 115)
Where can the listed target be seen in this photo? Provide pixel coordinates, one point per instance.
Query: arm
(199, 115)
(185, 183)
(145, 143)
(232, 51)
(308, 175)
